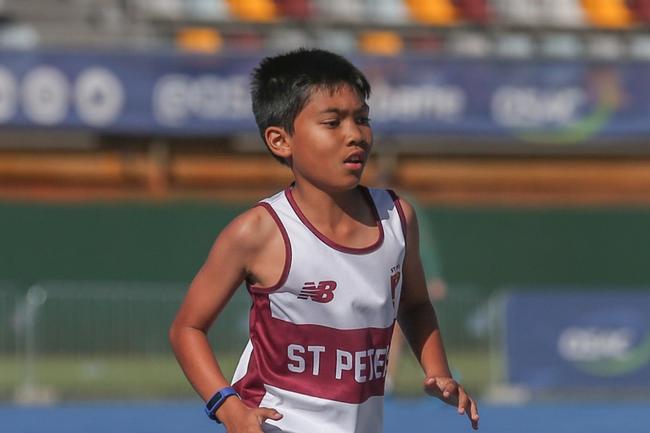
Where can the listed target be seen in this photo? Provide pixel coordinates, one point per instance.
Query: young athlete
(329, 265)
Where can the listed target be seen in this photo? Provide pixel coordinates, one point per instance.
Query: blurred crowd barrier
(76, 340)
(73, 339)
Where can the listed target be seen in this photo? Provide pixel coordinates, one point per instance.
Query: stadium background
(527, 151)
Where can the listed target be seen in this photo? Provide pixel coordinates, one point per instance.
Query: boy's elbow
(178, 332)
(174, 334)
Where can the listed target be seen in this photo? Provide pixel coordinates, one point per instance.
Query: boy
(329, 265)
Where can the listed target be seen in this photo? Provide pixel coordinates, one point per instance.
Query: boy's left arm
(418, 320)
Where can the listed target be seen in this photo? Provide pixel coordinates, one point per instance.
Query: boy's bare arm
(418, 320)
(226, 267)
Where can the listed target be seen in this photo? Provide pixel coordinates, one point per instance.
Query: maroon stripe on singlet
(251, 387)
(329, 242)
(287, 252)
(270, 361)
(400, 211)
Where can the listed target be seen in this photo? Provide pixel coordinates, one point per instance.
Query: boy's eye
(332, 123)
(363, 120)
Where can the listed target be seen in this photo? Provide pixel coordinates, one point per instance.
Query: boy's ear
(278, 141)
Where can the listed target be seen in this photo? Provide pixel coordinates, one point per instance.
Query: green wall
(128, 241)
(498, 248)
(482, 248)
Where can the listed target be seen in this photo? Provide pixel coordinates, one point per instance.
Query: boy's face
(332, 139)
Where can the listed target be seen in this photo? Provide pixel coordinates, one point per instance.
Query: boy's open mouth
(355, 160)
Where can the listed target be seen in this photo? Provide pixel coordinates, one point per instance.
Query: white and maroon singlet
(319, 338)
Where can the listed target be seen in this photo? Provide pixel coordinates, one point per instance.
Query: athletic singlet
(319, 338)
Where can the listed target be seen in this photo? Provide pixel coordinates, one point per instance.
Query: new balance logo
(322, 293)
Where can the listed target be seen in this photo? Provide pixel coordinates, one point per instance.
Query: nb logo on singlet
(322, 293)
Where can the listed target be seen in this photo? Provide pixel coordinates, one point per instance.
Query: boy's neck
(329, 207)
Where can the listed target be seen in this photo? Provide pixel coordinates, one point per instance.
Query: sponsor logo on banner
(578, 340)
(409, 103)
(47, 96)
(559, 115)
(99, 96)
(8, 95)
(605, 351)
(180, 98)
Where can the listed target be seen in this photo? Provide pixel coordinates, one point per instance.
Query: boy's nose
(355, 135)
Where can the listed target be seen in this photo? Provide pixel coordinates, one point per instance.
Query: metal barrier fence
(464, 319)
(62, 339)
(8, 301)
(115, 318)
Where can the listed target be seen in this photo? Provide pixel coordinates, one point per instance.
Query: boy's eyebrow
(339, 111)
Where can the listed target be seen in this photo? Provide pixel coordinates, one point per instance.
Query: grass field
(159, 377)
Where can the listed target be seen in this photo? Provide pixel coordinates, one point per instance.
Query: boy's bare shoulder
(411, 220)
(408, 209)
(251, 229)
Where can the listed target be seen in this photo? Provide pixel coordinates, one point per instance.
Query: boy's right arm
(229, 263)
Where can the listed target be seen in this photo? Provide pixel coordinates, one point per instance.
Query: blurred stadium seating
(164, 23)
(554, 30)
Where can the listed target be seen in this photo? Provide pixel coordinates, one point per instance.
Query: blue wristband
(217, 400)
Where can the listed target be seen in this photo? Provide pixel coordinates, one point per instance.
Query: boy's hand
(449, 391)
(243, 419)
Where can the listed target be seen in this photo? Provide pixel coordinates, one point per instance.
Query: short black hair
(281, 85)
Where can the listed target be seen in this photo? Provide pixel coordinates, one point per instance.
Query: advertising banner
(130, 93)
(559, 340)
(550, 103)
